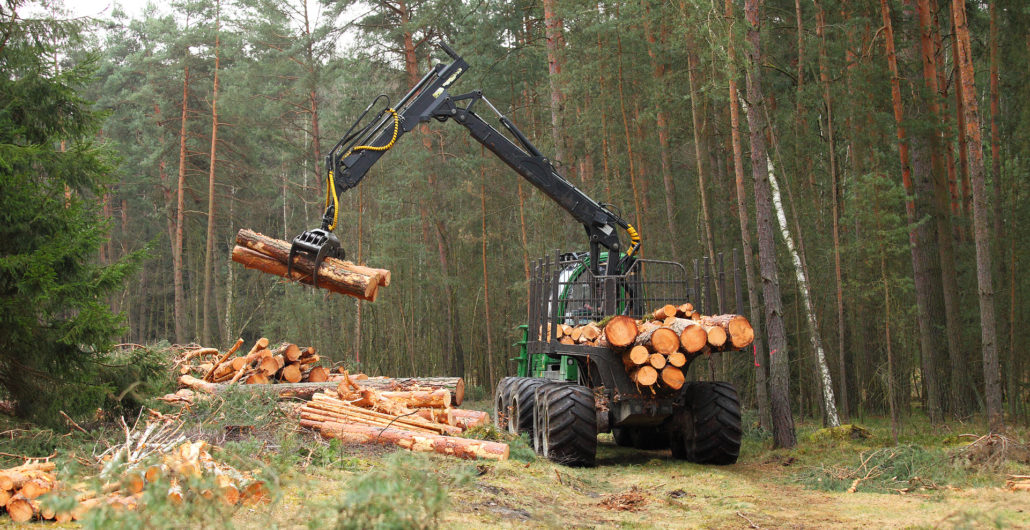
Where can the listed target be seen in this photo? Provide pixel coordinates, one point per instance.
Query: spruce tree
(55, 324)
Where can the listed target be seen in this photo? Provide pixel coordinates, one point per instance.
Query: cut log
(292, 353)
(440, 399)
(657, 360)
(677, 359)
(318, 374)
(590, 332)
(658, 339)
(467, 419)
(37, 486)
(645, 375)
(383, 275)
(672, 377)
(280, 251)
(330, 277)
(210, 373)
(619, 332)
(737, 327)
(636, 356)
(268, 366)
(291, 373)
(258, 378)
(21, 508)
(692, 335)
(685, 310)
(325, 405)
(716, 336)
(445, 445)
(577, 332)
(309, 359)
(664, 312)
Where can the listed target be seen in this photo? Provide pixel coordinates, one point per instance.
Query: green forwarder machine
(564, 394)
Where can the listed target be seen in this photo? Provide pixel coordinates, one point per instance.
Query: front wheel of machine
(502, 402)
(568, 426)
(521, 393)
(707, 428)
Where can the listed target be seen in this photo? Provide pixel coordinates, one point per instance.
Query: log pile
(270, 255)
(21, 487)
(656, 351)
(417, 420)
(286, 363)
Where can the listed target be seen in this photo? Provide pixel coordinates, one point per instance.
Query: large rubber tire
(706, 427)
(539, 413)
(521, 404)
(502, 400)
(567, 420)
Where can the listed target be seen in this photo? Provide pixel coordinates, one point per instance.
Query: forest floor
(928, 480)
(933, 478)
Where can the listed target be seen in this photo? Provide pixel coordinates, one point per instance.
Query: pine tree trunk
(755, 316)
(941, 215)
(662, 126)
(629, 142)
(180, 207)
(824, 79)
(779, 366)
(210, 244)
(981, 234)
(555, 50)
(927, 337)
(706, 218)
(486, 284)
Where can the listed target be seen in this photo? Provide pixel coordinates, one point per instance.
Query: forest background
(897, 136)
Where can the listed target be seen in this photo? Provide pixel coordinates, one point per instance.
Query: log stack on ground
(657, 351)
(417, 420)
(286, 363)
(270, 255)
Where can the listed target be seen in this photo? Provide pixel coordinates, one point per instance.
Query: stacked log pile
(656, 351)
(270, 255)
(417, 420)
(286, 363)
(21, 487)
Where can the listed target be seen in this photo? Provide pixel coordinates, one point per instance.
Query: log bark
(280, 250)
(445, 445)
(440, 399)
(330, 277)
(455, 384)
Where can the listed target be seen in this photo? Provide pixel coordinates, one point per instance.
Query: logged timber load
(283, 364)
(270, 255)
(415, 420)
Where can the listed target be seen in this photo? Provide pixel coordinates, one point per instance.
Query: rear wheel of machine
(502, 400)
(568, 424)
(539, 413)
(521, 392)
(706, 427)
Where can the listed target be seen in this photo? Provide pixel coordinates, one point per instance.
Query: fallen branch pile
(657, 351)
(124, 478)
(417, 420)
(286, 363)
(270, 255)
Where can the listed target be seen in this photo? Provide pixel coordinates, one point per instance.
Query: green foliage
(405, 491)
(885, 470)
(55, 325)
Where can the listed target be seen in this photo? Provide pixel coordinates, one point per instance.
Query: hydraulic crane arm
(350, 160)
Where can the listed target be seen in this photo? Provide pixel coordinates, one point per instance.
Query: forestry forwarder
(576, 391)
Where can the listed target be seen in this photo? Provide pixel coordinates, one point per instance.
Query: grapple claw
(318, 243)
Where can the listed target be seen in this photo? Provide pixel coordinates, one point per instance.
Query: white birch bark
(813, 325)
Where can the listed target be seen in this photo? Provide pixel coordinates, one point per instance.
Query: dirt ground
(648, 489)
